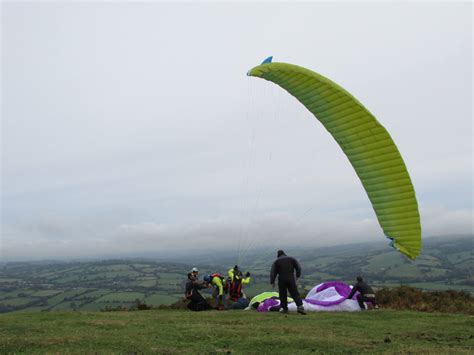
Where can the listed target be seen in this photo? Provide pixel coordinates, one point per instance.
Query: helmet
(207, 278)
(195, 269)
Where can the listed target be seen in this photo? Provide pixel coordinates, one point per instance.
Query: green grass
(167, 331)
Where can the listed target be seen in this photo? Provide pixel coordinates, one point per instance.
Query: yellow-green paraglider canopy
(367, 145)
(265, 296)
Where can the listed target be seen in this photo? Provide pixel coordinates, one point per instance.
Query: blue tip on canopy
(268, 60)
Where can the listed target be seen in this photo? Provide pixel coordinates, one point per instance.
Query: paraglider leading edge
(365, 142)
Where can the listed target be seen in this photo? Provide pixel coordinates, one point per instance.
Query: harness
(235, 289)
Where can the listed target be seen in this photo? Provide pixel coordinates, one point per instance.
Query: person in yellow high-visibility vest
(237, 280)
(217, 281)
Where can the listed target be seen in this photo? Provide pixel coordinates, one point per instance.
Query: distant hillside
(88, 285)
(445, 263)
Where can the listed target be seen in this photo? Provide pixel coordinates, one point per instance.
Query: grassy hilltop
(171, 331)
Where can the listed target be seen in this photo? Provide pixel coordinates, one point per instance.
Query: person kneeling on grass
(196, 301)
(366, 294)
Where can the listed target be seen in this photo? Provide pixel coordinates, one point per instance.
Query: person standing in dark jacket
(285, 267)
(366, 294)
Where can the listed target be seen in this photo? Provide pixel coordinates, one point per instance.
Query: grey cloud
(225, 233)
(153, 131)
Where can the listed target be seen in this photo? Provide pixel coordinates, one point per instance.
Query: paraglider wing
(367, 145)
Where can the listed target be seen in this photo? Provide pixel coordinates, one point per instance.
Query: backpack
(225, 284)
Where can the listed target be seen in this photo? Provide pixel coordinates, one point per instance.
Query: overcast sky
(130, 128)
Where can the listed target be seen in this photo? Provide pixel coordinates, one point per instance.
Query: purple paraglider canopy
(267, 305)
(328, 296)
(338, 288)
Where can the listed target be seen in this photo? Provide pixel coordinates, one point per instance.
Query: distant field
(45, 293)
(255, 289)
(382, 262)
(442, 265)
(238, 332)
(19, 301)
(95, 294)
(438, 286)
(31, 309)
(158, 299)
(97, 306)
(64, 306)
(116, 268)
(8, 280)
(146, 283)
(121, 297)
(460, 257)
(320, 276)
(11, 294)
(467, 264)
(64, 296)
(404, 271)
